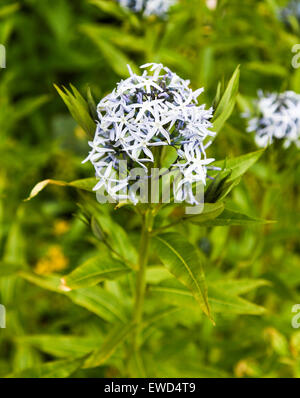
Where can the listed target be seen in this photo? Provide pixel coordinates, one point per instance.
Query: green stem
(141, 276)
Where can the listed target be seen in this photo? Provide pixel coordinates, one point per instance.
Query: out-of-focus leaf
(116, 36)
(118, 335)
(267, 68)
(25, 357)
(29, 105)
(55, 370)
(7, 269)
(95, 299)
(110, 7)
(117, 59)
(183, 261)
(93, 271)
(62, 346)
(114, 9)
(239, 286)
(115, 236)
(14, 250)
(9, 9)
(157, 274)
(221, 301)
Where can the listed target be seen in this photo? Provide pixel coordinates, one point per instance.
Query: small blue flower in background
(276, 117)
(148, 7)
(292, 10)
(156, 109)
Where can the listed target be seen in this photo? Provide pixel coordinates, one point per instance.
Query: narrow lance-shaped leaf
(95, 299)
(110, 7)
(62, 346)
(221, 301)
(227, 102)
(229, 177)
(116, 237)
(79, 109)
(183, 261)
(93, 271)
(86, 184)
(172, 292)
(210, 212)
(114, 339)
(239, 286)
(116, 58)
(231, 217)
(220, 187)
(55, 369)
(239, 165)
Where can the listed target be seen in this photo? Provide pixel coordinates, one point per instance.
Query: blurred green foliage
(253, 272)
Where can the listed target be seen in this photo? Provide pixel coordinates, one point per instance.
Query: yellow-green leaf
(93, 271)
(184, 262)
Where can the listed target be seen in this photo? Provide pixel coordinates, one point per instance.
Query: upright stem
(141, 276)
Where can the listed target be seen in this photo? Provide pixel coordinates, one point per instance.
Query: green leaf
(93, 271)
(14, 250)
(62, 346)
(112, 233)
(79, 109)
(221, 301)
(115, 57)
(101, 302)
(239, 286)
(114, 339)
(8, 269)
(218, 188)
(114, 9)
(86, 184)
(109, 7)
(227, 102)
(210, 212)
(55, 370)
(95, 299)
(29, 106)
(92, 104)
(239, 165)
(267, 68)
(9, 9)
(173, 292)
(158, 316)
(229, 176)
(231, 217)
(183, 261)
(41, 185)
(118, 37)
(156, 274)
